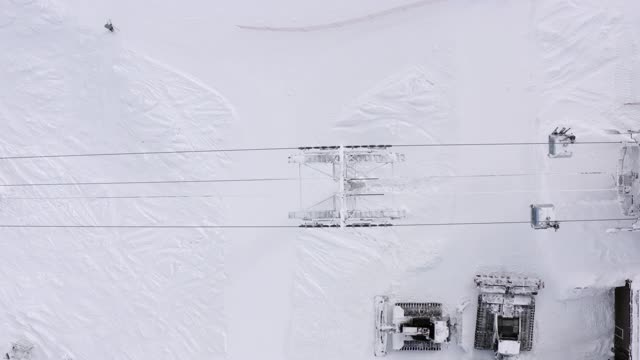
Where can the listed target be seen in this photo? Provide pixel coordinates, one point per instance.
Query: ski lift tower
(628, 184)
(350, 167)
(628, 181)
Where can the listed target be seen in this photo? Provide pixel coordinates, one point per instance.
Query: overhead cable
(94, 226)
(200, 151)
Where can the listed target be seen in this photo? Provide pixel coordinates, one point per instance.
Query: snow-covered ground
(198, 74)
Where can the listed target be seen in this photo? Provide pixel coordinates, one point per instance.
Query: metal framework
(628, 184)
(350, 167)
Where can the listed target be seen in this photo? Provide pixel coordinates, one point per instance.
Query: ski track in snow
(341, 23)
(415, 106)
(409, 105)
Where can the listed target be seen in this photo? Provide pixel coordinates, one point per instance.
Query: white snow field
(197, 74)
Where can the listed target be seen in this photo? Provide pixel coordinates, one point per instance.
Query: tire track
(341, 23)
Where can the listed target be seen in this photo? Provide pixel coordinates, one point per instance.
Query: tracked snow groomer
(506, 309)
(412, 326)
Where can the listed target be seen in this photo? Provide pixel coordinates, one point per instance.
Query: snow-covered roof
(441, 332)
(509, 347)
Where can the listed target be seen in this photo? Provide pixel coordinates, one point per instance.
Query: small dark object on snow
(109, 26)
